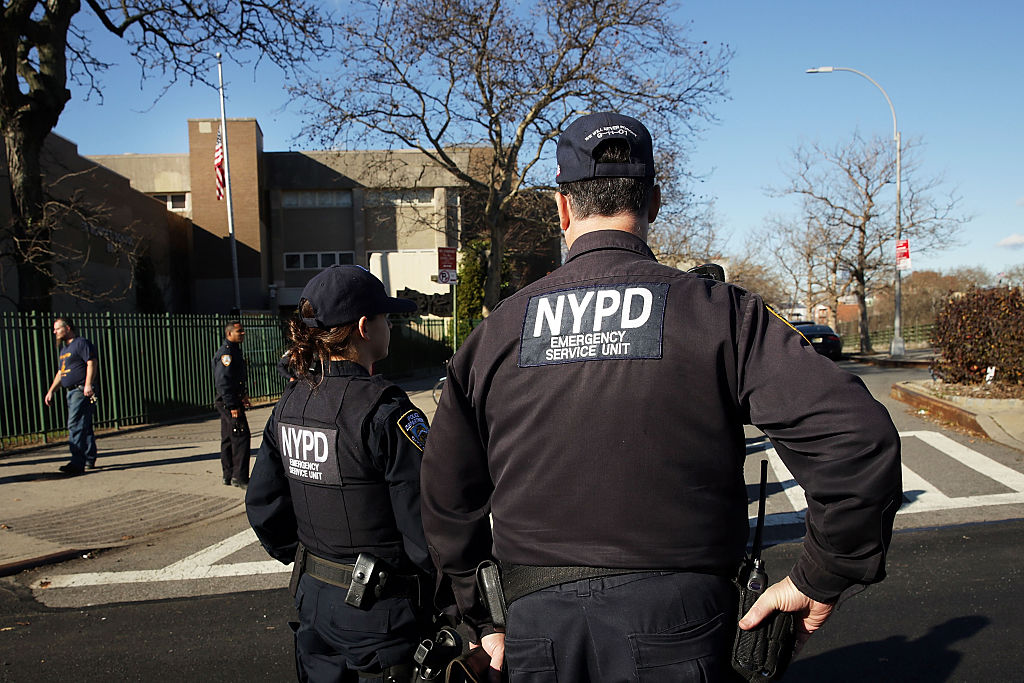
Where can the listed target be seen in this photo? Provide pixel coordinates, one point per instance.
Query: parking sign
(446, 266)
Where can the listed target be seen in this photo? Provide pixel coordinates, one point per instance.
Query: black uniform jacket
(230, 374)
(339, 470)
(598, 414)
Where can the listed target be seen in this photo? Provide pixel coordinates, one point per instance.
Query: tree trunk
(862, 306)
(492, 283)
(31, 233)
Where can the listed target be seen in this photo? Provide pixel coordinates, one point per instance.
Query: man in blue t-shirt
(79, 374)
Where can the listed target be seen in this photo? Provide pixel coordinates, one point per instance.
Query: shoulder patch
(225, 360)
(604, 322)
(415, 428)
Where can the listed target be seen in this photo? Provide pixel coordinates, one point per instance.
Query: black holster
(297, 568)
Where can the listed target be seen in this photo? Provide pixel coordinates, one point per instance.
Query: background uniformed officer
(596, 420)
(230, 376)
(337, 476)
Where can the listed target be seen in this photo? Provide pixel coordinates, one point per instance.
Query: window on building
(316, 199)
(317, 260)
(422, 197)
(174, 202)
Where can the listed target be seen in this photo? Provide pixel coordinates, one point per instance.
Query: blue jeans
(80, 434)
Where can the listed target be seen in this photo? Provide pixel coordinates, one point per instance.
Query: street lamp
(897, 348)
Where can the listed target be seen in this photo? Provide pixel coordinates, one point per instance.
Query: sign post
(447, 274)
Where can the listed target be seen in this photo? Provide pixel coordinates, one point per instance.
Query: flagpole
(227, 187)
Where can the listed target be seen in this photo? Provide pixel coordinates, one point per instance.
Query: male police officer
(230, 376)
(596, 418)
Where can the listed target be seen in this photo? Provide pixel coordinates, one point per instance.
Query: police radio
(765, 650)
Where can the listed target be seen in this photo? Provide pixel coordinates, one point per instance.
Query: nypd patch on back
(309, 454)
(594, 323)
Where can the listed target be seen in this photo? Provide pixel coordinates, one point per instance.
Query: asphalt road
(946, 612)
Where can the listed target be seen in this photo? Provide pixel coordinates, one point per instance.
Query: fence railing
(155, 367)
(882, 337)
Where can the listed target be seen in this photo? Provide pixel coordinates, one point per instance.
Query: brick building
(112, 244)
(298, 212)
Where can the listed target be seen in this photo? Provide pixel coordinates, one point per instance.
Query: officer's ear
(654, 205)
(564, 209)
(362, 327)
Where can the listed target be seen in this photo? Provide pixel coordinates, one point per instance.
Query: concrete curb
(979, 422)
(891, 362)
(947, 410)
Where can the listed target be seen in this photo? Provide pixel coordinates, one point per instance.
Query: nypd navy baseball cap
(343, 294)
(578, 147)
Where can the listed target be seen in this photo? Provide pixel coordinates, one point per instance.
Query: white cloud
(1014, 241)
(1020, 202)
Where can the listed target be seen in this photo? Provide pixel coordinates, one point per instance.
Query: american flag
(218, 164)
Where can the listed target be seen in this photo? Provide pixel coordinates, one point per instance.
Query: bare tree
(749, 271)
(43, 47)
(687, 232)
(846, 196)
(432, 74)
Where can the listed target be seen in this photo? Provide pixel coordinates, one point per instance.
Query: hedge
(979, 329)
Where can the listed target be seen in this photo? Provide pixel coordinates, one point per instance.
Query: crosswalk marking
(926, 497)
(200, 565)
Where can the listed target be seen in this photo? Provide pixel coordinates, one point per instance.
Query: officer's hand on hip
(786, 597)
(494, 645)
(246, 403)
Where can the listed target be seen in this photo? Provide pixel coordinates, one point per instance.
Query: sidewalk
(1001, 420)
(158, 478)
(145, 481)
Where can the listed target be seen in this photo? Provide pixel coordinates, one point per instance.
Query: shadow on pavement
(60, 457)
(100, 467)
(63, 457)
(928, 658)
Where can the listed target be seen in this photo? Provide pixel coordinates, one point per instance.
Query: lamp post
(897, 348)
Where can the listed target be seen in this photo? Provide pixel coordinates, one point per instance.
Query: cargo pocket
(684, 654)
(348, 618)
(530, 660)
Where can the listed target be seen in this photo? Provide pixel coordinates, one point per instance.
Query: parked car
(823, 338)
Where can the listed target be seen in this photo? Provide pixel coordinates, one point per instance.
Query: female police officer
(336, 486)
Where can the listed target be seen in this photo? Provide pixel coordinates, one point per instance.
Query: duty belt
(340, 575)
(336, 574)
(519, 580)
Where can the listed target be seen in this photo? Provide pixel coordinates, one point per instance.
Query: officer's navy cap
(343, 294)
(578, 144)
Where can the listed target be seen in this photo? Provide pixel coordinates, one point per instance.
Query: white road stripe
(200, 565)
(1008, 477)
(927, 497)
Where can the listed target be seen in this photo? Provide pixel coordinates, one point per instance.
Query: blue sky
(953, 70)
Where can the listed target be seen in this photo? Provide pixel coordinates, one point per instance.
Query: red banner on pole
(903, 255)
